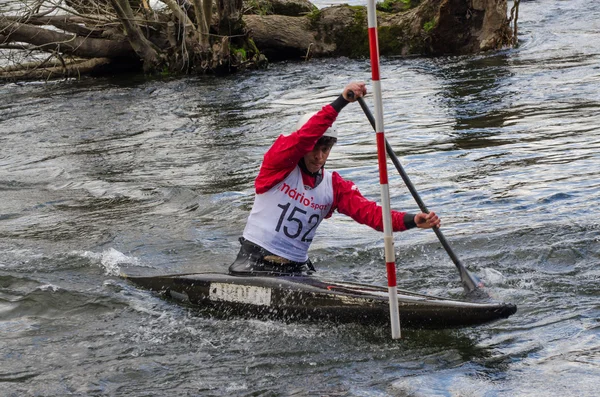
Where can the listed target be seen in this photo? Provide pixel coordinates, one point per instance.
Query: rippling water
(110, 175)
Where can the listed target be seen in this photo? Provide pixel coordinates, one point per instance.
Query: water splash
(493, 276)
(49, 287)
(110, 260)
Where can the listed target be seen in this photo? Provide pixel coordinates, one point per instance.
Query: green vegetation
(429, 25)
(253, 48)
(390, 42)
(258, 7)
(239, 53)
(397, 5)
(244, 51)
(354, 40)
(360, 13)
(314, 16)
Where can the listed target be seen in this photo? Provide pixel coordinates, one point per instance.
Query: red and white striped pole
(388, 239)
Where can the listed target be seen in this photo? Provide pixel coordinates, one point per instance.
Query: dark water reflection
(101, 176)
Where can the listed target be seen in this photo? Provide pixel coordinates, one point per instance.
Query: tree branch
(142, 46)
(180, 15)
(201, 21)
(65, 22)
(49, 40)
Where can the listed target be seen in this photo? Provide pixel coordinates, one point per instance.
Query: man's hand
(358, 88)
(427, 221)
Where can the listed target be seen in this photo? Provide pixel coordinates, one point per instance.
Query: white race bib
(284, 219)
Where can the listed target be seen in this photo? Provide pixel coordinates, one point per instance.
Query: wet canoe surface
(313, 299)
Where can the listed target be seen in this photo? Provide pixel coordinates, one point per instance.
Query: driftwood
(56, 69)
(199, 36)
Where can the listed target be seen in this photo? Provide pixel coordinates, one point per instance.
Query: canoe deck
(313, 299)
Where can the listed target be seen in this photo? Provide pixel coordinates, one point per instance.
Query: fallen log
(55, 69)
(433, 27)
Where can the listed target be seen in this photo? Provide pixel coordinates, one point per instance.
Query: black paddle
(470, 282)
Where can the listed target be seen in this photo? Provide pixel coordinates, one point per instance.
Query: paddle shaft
(470, 282)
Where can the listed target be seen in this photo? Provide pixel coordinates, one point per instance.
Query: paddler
(294, 193)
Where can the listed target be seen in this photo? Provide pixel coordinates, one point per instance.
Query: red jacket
(286, 152)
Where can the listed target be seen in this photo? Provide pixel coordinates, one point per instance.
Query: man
(294, 193)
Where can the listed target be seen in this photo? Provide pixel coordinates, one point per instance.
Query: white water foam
(445, 383)
(110, 260)
(49, 287)
(492, 276)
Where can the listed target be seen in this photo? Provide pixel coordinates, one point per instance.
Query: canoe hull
(313, 299)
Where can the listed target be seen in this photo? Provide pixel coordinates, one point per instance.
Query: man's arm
(286, 151)
(349, 201)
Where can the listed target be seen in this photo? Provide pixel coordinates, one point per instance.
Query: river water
(101, 176)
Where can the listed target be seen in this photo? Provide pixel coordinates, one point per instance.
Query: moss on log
(431, 27)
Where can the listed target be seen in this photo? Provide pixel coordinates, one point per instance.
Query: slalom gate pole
(388, 239)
